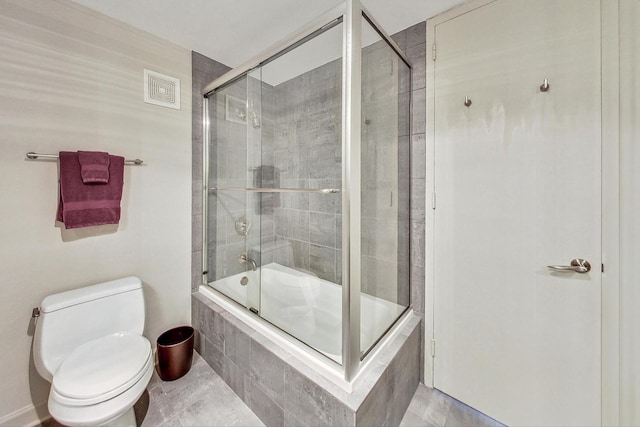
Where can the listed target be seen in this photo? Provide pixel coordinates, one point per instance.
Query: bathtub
(307, 307)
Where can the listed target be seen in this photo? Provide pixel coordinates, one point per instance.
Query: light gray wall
(72, 79)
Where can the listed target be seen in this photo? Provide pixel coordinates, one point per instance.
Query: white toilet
(88, 343)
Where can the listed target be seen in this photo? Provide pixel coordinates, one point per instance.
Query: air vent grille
(160, 89)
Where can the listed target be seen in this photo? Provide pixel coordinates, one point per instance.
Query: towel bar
(279, 190)
(32, 156)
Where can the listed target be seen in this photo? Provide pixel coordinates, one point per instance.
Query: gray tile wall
(385, 166)
(284, 391)
(204, 70)
(392, 393)
(306, 148)
(235, 153)
(413, 42)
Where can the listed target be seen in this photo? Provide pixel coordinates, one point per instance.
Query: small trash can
(175, 352)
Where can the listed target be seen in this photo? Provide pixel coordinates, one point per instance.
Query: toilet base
(128, 419)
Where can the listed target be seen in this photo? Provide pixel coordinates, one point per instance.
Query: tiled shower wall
(324, 209)
(384, 169)
(204, 71)
(235, 152)
(306, 148)
(412, 41)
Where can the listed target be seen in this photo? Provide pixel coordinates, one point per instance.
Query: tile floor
(431, 408)
(202, 399)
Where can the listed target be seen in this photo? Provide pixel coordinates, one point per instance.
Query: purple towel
(83, 205)
(94, 167)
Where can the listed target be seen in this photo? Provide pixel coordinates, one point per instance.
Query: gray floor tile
(223, 408)
(461, 415)
(200, 398)
(411, 419)
(173, 421)
(432, 408)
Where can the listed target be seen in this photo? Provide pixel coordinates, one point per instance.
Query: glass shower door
(301, 130)
(385, 188)
(233, 228)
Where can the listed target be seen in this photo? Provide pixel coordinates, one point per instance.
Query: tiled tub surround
(244, 357)
(283, 390)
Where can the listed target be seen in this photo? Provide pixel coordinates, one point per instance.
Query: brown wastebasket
(175, 352)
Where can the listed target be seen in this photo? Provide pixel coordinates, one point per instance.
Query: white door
(517, 179)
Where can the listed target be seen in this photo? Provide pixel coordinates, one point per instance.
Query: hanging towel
(94, 167)
(83, 205)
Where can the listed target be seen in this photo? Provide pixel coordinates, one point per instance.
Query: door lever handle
(578, 265)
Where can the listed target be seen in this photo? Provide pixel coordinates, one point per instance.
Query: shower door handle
(578, 265)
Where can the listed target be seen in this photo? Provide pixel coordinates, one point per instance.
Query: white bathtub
(307, 307)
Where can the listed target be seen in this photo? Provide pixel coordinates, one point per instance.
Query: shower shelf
(279, 190)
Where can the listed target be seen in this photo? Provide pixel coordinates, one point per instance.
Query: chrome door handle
(578, 265)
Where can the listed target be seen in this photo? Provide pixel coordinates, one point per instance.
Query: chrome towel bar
(33, 156)
(279, 190)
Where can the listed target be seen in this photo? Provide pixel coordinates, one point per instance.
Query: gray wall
(236, 146)
(204, 70)
(306, 148)
(413, 42)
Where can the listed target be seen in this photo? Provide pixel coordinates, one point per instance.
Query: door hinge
(433, 348)
(433, 200)
(433, 51)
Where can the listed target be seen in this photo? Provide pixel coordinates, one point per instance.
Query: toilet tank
(71, 318)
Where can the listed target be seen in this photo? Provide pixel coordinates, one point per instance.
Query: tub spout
(245, 258)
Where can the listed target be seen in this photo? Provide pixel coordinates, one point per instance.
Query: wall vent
(160, 89)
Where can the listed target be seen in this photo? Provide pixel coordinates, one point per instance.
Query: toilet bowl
(89, 345)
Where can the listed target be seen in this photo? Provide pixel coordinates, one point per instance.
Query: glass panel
(301, 232)
(385, 187)
(233, 216)
(254, 179)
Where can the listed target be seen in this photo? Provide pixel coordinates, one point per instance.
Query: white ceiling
(234, 31)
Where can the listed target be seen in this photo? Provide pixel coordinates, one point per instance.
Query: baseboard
(26, 416)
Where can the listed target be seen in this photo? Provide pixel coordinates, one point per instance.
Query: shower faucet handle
(244, 258)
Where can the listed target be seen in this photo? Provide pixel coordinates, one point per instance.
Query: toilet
(88, 344)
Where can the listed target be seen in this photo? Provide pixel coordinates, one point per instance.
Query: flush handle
(578, 265)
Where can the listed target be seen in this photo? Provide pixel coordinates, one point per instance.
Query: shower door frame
(351, 14)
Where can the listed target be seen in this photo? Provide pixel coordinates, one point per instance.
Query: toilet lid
(104, 367)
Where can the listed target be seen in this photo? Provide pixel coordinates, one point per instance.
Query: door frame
(610, 297)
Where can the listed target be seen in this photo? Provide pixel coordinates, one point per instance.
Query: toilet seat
(101, 380)
(101, 369)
